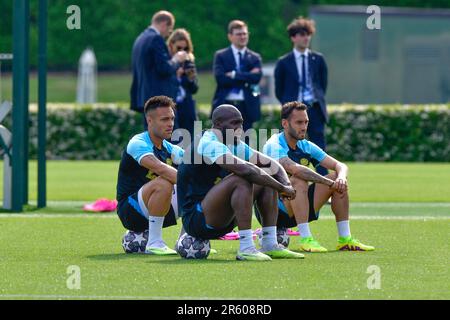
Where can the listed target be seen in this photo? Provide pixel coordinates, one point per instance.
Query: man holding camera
(238, 71)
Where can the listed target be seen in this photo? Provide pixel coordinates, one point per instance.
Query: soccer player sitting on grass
(147, 176)
(295, 153)
(217, 186)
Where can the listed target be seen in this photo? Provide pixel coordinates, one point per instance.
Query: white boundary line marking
(412, 218)
(80, 203)
(58, 215)
(114, 216)
(400, 204)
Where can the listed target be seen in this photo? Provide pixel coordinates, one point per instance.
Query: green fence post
(20, 103)
(42, 112)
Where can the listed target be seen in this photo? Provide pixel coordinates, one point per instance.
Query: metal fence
(406, 61)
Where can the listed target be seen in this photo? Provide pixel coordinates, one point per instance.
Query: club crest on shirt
(169, 161)
(151, 175)
(304, 162)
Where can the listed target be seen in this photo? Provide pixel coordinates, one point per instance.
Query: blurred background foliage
(110, 27)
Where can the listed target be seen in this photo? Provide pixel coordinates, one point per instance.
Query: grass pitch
(410, 236)
(411, 253)
(112, 87)
(368, 182)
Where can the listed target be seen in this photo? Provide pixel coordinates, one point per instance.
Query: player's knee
(241, 184)
(163, 186)
(299, 184)
(340, 195)
(237, 180)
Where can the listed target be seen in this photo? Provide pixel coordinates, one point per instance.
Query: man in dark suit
(154, 71)
(238, 71)
(301, 75)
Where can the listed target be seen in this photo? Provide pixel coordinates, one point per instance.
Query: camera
(189, 62)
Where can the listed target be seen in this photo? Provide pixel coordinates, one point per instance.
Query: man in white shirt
(302, 75)
(238, 71)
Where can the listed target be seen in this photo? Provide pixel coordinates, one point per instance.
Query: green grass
(112, 87)
(369, 182)
(401, 209)
(412, 257)
(399, 182)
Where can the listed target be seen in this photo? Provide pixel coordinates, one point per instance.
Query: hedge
(385, 133)
(354, 133)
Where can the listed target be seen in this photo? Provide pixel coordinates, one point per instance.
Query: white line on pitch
(113, 215)
(58, 215)
(400, 204)
(80, 203)
(413, 218)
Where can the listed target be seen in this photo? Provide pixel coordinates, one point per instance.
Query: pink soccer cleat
(291, 232)
(230, 236)
(101, 205)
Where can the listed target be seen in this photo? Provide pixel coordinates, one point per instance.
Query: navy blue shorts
(194, 224)
(129, 214)
(284, 220)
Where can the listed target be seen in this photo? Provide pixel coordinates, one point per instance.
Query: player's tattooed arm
(158, 167)
(341, 170)
(304, 173)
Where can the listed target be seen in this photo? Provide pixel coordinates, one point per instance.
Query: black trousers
(316, 130)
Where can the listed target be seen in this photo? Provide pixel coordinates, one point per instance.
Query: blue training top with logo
(132, 176)
(199, 171)
(305, 153)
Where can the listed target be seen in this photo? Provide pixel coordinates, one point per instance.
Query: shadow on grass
(156, 259)
(116, 256)
(329, 252)
(26, 208)
(48, 209)
(315, 253)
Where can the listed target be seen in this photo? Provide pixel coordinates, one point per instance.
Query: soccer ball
(282, 237)
(189, 247)
(135, 242)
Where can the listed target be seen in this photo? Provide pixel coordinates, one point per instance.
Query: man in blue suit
(154, 71)
(301, 75)
(238, 71)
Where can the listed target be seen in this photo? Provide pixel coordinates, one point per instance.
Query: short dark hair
(236, 24)
(288, 107)
(301, 25)
(158, 102)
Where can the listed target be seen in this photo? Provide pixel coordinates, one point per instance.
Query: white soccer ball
(282, 237)
(189, 247)
(135, 242)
